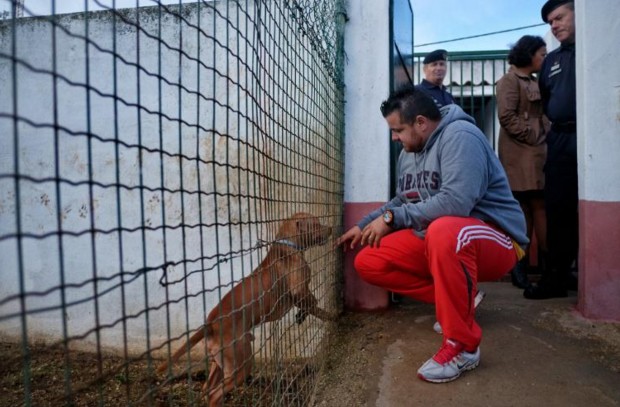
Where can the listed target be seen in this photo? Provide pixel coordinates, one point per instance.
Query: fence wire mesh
(150, 157)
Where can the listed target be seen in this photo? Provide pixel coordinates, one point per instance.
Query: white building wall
(151, 142)
(367, 84)
(598, 99)
(175, 145)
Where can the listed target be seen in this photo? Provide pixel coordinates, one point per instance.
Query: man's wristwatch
(388, 217)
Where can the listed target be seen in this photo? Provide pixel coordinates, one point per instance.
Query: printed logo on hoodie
(411, 185)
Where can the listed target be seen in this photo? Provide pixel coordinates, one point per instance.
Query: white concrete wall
(139, 132)
(598, 148)
(367, 84)
(598, 99)
(218, 165)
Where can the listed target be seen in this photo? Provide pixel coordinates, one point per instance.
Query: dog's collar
(288, 243)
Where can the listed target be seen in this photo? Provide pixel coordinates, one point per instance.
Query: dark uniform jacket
(558, 90)
(439, 93)
(557, 85)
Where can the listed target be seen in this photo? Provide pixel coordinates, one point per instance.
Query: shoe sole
(450, 379)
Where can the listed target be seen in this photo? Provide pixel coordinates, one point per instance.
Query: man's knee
(440, 234)
(367, 265)
(439, 225)
(361, 262)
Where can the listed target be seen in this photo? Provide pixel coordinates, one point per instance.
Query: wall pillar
(598, 130)
(367, 140)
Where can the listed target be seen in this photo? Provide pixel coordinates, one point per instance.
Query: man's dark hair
(522, 52)
(410, 103)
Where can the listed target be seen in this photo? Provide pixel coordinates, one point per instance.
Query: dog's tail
(188, 345)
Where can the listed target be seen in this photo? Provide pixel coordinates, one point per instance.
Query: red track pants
(444, 269)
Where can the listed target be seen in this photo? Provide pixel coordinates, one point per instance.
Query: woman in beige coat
(522, 147)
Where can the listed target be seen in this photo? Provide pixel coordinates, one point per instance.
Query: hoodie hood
(449, 115)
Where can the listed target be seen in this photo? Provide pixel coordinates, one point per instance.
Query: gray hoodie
(456, 174)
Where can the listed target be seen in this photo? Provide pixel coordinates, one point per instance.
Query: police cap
(551, 5)
(437, 55)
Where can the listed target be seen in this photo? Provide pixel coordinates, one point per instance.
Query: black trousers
(561, 203)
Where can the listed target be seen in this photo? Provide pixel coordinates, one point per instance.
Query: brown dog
(280, 282)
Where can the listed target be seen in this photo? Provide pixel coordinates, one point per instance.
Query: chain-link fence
(150, 160)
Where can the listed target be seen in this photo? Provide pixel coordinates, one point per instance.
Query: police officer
(434, 67)
(557, 87)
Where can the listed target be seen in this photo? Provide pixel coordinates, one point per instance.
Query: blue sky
(438, 20)
(434, 20)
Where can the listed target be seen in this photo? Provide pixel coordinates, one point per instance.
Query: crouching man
(452, 224)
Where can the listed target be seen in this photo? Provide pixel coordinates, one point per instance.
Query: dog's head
(305, 230)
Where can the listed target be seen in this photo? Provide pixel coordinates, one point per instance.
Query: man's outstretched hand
(350, 238)
(371, 235)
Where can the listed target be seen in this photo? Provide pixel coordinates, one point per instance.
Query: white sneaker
(448, 364)
(479, 297)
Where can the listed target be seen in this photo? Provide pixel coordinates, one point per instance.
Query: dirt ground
(110, 381)
(372, 361)
(350, 375)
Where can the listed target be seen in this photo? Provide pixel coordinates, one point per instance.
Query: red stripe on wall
(599, 260)
(359, 295)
